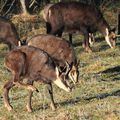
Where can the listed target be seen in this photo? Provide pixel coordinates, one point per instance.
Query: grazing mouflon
(76, 16)
(60, 50)
(33, 64)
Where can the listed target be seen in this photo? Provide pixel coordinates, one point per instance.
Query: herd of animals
(48, 58)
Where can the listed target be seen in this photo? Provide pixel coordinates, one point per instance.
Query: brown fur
(59, 49)
(34, 65)
(76, 16)
(48, 26)
(8, 34)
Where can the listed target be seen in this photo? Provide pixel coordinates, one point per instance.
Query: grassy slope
(95, 97)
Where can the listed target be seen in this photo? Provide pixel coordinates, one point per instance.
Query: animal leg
(91, 39)
(8, 85)
(70, 38)
(105, 32)
(86, 44)
(56, 30)
(48, 26)
(29, 106)
(20, 84)
(29, 87)
(50, 91)
(59, 34)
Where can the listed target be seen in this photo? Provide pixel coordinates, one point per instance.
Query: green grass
(95, 97)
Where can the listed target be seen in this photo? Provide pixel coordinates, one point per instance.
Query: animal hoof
(30, 87)
(9, 108)
(53, 107)
(88, 50)
(37, 90)
(29, 109)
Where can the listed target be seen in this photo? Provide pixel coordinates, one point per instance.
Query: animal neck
(103, 27)
(51, 75)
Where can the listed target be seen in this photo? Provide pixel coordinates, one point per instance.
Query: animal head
(45, 12)
(61, 81)
(74, 73)
(112, 37)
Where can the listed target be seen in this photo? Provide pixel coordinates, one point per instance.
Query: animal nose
(69, 89)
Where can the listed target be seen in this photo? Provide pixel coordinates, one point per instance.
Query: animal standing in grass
(33, 64)
(76, 16)
(60, 50)
(59, 33)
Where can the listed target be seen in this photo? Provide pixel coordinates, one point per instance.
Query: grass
(96, 96)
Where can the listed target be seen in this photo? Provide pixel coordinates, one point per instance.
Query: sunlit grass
(96, 96)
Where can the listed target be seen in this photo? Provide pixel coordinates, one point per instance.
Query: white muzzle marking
(61, 85)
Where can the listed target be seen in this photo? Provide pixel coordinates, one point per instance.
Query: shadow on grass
(76, 100)
(114, 73)
(77, 44)
(111, 70)
(104, 95)
(104, 47)
(99, 39)
(99, 96)
(41, 107)
(64, 103)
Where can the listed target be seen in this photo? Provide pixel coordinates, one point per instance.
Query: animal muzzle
(113, 43)
(61, 84)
